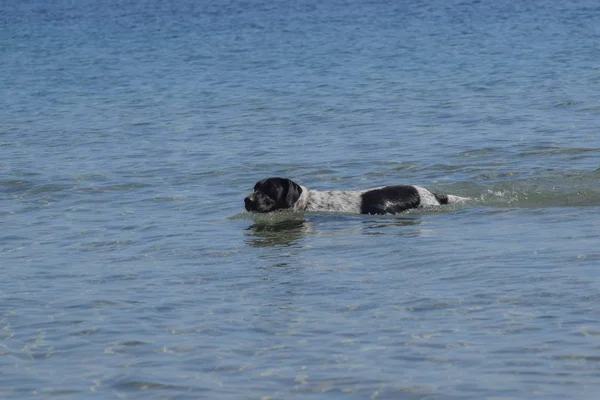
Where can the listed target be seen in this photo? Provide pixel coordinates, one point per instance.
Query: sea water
(131, 131)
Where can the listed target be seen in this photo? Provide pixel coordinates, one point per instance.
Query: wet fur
(273, 194)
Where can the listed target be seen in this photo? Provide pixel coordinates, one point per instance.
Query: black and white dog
(283, 194)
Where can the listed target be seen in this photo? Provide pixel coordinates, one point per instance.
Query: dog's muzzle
(249, 203)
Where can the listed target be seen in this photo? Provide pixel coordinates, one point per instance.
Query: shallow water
(130, 133)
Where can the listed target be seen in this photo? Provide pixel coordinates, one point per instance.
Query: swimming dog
(273, 194)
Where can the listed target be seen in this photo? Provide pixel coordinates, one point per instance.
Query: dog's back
(384, 200)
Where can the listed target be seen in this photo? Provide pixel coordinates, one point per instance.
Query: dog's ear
(293, 193)
(262, 185)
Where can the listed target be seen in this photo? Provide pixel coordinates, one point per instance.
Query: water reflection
(279, 231)
(266, 233)
(381, 225)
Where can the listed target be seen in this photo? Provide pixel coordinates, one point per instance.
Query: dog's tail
(450, 198)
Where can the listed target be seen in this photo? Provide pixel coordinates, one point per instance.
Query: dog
(274, 194)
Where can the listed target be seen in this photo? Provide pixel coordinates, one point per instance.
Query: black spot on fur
(441, 198)
(390, 200)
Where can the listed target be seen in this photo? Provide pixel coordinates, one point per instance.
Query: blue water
(130, 131)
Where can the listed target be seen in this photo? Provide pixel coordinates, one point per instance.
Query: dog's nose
(248, 203)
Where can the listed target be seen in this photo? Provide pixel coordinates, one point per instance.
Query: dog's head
(273, 194)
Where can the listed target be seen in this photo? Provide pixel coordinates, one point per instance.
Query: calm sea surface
(130, 131)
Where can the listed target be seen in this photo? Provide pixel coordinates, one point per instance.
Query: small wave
(144, 385)
(551, 151)
(524, 198)
(25, 187)
(568, 189)
(115, 187)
